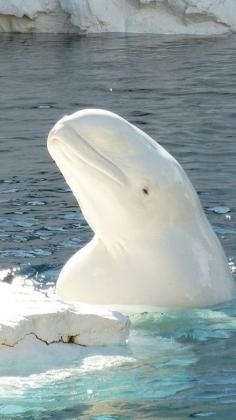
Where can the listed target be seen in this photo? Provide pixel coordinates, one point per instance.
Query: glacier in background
(197, 17)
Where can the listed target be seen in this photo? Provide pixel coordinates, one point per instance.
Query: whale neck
(121, 246)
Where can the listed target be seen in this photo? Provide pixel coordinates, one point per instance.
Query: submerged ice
(140, 16)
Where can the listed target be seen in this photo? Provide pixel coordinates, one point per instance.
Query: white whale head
(153, 244)
(123, 180)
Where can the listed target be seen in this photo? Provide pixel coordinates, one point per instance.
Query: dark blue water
(182, 91)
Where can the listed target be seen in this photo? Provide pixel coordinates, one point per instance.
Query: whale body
(153, 245)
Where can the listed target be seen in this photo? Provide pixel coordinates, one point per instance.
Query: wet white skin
(153, 245)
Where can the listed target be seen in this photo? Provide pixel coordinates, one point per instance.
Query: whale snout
(57, 133)
(66, 142)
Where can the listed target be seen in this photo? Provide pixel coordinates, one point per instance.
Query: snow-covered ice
(25, 312)
(132, 16)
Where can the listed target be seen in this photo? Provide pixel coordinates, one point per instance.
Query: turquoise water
(177, 364)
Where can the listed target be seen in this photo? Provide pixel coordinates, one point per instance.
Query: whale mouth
(66, 144)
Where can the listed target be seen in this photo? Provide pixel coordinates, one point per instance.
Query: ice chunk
(27, 312)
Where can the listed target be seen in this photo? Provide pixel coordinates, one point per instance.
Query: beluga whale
(153, 245)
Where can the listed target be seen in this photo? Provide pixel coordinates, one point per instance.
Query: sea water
(182, 91)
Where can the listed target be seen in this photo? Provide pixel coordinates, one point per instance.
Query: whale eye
(145, 191)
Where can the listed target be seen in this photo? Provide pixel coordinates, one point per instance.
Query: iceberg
(196, 17)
